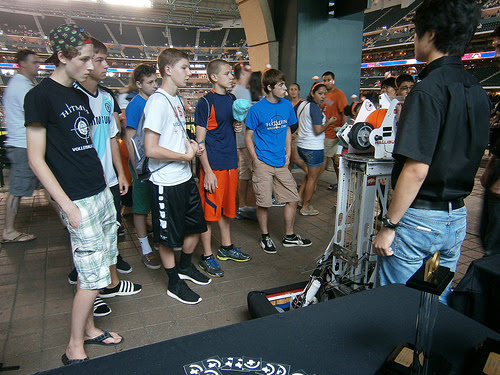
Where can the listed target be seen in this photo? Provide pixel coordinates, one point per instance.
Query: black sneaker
(73, 277)
(121, 230)
(211, 266)
(182, 293)
(233, 254)
(296, 241)
(192, 274)
(101, 308)
(268, 245)
(122, 266)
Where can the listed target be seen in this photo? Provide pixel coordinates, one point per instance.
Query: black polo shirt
(444, 123)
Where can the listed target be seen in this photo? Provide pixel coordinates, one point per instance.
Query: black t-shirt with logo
(444, 123)
(70, 154)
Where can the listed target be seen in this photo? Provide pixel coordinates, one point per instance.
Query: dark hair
(23, 54)
(453, 22)
(169, 56)
(214, 67)
(256, 85)
(351, 108)
(404, 78)
(143, 70)
(391, 82)
(296, 84)
(237, 70)
(315, 87)
(328, 73)
(99, 46)
(496, 32)
(271, 77)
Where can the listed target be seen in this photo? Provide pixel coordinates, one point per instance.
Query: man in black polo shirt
(442, 135)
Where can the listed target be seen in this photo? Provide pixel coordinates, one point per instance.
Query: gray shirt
(13, 100)
(241, 92)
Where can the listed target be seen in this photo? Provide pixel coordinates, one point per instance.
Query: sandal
(66, 361)
(21, 237)
(99, 340)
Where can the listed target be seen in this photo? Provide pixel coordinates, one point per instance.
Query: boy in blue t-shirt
(216, 127)
(145, 79)
(268, 122)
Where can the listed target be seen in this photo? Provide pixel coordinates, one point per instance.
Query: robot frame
(348, 263)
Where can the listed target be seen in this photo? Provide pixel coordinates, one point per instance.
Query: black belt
(437, 205)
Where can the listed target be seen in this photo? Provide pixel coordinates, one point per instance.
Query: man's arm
(409, 182)
(36, 146)
(288, 143)
(117, 162)
(495, 187)
(210, 180)
(249, 143)
(129, 133)
(155, 151)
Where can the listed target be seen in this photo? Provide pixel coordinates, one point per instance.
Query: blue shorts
(312, 158)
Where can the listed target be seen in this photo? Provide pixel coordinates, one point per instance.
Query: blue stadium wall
(311, 43)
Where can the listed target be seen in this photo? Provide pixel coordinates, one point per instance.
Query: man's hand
(74, 216)
(201, 149)
(210, 182)
(191, 149)
(383, 241)
(238, 126)
(123, 184)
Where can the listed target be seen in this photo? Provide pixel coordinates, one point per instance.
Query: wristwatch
(386, 222)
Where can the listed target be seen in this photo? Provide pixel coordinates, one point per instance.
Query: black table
(348, 335)
(478, 293)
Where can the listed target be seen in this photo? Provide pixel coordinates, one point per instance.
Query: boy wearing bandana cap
(61, 154)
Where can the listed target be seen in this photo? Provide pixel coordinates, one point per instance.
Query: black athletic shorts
(180, 211)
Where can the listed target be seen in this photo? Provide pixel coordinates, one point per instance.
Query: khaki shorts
(268, 179)
(331, 147)
(244, 164)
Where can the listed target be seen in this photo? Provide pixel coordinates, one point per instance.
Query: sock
(146, 248)
(230, 247)
(185, 261)
(264, 236)
(173, 276)
(290, 236)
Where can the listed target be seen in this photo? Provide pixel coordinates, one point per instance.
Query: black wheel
(359, 136)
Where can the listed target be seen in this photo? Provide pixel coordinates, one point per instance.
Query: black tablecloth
(478, 293)
(349, 335)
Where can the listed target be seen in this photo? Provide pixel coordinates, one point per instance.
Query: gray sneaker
(151, 261)
(211, 266)
(233, 254)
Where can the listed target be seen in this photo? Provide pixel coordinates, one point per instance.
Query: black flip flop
(67, 362)
(99, 340)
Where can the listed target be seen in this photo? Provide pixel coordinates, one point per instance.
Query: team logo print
(81, 128)
(108, 107)
(276, 124)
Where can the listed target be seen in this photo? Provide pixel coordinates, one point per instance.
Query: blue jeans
(419, 235)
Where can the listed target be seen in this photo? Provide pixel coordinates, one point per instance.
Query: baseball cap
(65, 37)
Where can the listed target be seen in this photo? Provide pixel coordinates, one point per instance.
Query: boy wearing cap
(268, 122)
(58, 119)
(215, 127)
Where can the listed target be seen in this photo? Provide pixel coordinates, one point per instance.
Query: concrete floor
(36, 299)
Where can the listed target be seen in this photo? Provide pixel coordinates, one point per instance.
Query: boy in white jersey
(175, 191)
(104, 132)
